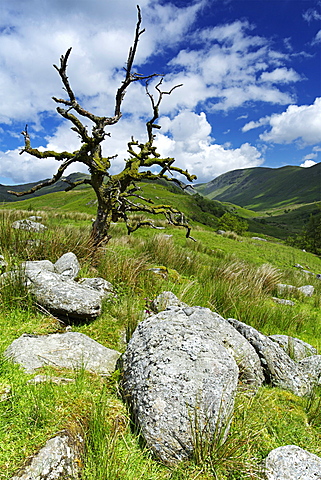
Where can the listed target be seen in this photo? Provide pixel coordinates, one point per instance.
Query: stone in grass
(165, 300)
(283, 301)
(67, 298)
(279, 369)
(296, 348)
(307, 290)
(28, 225)
(59, 459)
(71, 350)
(177, 379)
(292, 463)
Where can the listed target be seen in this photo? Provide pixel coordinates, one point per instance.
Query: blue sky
(250, 69)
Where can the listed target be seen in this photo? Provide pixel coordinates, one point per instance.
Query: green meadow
(232, 274)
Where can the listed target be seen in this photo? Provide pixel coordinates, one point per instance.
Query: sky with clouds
(250, 69)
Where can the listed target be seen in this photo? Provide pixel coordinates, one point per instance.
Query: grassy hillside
(279, 222)
(57, 187)
(234, 277)
(262, 188)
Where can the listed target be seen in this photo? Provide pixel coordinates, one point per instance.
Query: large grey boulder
(178, 379)
(64, 298)
(279, 369)
(71, 350)
(294, 347)
(54, 287)
(245, 356)
(59, 459)
(28, 225)
(292, 463)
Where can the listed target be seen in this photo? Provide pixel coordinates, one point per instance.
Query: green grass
(234, 276)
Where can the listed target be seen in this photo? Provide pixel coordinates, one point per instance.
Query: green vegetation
(233, 275)
(310, 238)
(260, 188)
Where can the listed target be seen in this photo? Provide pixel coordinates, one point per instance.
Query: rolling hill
(260, 188)
(57, 187)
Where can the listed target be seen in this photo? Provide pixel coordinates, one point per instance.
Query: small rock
(259, 238)
(283, 288)
(307, 290)
(59, 459)
(165, 300)
(292, 463)
(283, 301)
(28, 225)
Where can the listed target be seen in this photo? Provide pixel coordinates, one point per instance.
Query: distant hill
(57, 187)
(260, 188)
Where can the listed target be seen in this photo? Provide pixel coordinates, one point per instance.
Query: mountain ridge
(258, 188)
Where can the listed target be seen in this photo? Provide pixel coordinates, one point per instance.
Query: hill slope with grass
(56, 187)
(261, 188)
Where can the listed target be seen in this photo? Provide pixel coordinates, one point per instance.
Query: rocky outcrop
(292, 463)
(71, 350)
(59, 459)
(55, 288)
(279, 369)
(294, 347)
(177, 380)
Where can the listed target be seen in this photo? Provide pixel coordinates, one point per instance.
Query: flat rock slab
(59, 459)
(71, 350)
(177, 378)
(292, 463)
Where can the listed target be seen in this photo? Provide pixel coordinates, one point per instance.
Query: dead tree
(117, 195)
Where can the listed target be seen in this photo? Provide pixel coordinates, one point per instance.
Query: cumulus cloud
(280, 75)
(228, 65)
(308, 163)
(296, 123)
(191, 144)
